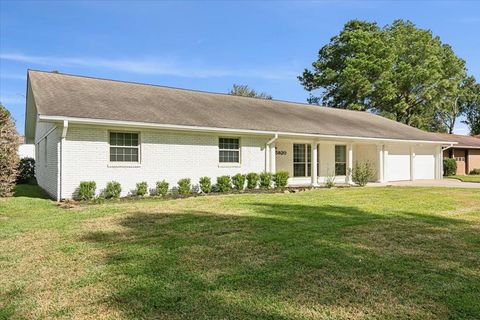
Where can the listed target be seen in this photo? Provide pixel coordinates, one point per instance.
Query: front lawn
(469, 178)
(355, 253)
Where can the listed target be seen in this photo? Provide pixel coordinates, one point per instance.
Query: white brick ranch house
(89, 129)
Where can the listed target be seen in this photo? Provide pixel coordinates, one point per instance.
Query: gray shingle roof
(463, 141)
(84, 97)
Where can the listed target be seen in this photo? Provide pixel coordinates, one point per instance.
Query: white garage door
(424, 163)
(398, 166)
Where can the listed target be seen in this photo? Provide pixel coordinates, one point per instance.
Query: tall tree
(454, 104)
(398, 71)
(245, 91)
(472, 109)
(9, 142)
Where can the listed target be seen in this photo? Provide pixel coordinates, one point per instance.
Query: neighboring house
(103, 130)
(466, 152)
(26, 150)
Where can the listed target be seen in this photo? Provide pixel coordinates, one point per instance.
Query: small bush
(26, 170)
(206, 184)
(475, 171)
(238, 181)
(362, 173)
(265, 180)
(252, 180)
(184, 186)
(162, 188)
(86, 190)
(329, 180)
(281, 179)
(224, 184)
(142, 189)
(113, 190)
(449, 167)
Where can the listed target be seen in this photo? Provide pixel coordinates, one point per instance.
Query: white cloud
(167, 67)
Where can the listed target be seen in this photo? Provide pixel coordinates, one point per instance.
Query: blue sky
(202, 45)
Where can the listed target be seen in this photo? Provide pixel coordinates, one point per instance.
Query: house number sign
(281, 153)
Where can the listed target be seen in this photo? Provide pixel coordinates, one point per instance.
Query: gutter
(148, 125)
(446, 148)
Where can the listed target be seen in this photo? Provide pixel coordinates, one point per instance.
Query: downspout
(440, 164)
(60, 171)
(446, 148)
(267, 152)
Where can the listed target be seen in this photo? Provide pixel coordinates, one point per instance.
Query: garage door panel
(424, 163)
(398, 167)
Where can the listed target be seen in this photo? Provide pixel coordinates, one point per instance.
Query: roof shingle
(83, 97)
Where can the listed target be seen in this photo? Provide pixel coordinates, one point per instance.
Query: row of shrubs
(238, 182)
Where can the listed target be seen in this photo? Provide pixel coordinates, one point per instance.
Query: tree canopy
(245, 91)
(471, 108)
(399, 71)
(9, 142)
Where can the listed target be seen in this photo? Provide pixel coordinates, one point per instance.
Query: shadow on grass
(29, 191)
(291, 261)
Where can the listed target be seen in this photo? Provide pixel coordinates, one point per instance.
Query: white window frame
(306, 163)
(138, 147)
(239, 150)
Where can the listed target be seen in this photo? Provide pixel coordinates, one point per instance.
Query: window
(229, 150)
(123, 147)
(340, 160)
(302, 160)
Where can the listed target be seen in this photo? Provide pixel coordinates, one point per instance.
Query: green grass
(469, 178)
(355, 253)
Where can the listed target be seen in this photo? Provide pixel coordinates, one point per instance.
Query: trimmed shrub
(362, 173)
(449, 167)
(281, 179)
(475, 171)
(184, 186)
(162, 188)
(9, 142)
(86, 190)
(238, 181)
(142, 189)
(265, 180)
(113, 190)
(224, 184)
(252, 180)
(26, 170)
(206, 184)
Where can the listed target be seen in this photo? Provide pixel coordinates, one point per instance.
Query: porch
(312, 163)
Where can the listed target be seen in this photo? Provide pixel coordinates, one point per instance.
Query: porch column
(349, 162)
(273, 156)
(412, 163)
(385, 164)
(314, 164)
(267, 158)
(381, 177)
(438, 164)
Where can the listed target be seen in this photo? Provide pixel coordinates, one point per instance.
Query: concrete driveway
(451, 183)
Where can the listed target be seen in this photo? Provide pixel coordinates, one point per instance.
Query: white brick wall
(164, 155)
(46, 163)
